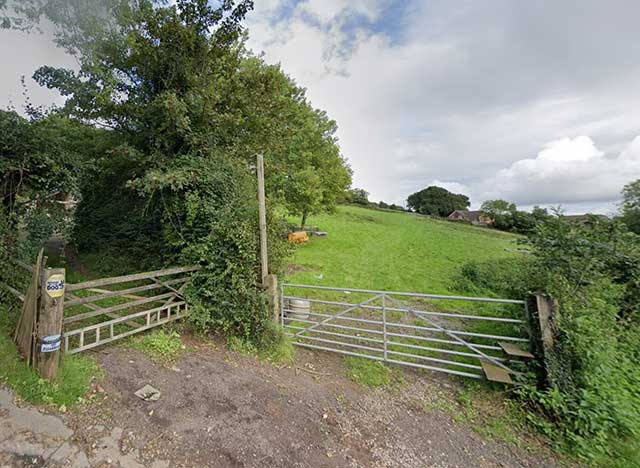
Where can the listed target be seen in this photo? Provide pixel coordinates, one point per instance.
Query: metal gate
(467, 336)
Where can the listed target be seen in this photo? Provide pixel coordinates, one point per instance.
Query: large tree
(495, 208)
(437, 201)
(163, 69)
(42, 159)
(191, 107)
(358, 196)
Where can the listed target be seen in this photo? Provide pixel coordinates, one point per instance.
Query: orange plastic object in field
(299, 237)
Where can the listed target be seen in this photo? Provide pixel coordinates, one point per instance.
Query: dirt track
(223, 409)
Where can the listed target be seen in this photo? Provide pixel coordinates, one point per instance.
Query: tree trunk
(304, 219)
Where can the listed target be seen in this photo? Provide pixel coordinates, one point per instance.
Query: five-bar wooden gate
(80, 316)
(130, 304)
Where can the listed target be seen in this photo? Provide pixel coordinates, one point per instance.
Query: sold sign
(55, 286)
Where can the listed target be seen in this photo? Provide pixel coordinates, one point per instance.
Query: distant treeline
(358, 196)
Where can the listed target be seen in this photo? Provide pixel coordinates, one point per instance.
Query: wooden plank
(115, 321)
(13, 291)
(127, 278)
(168, 286)
(127, 333)
(546, 311)
(106, 310)
(177, 296)
(110, 314)
(24, 335)
(495, 373)
(514, 350)
(109, 294)
(126, 296)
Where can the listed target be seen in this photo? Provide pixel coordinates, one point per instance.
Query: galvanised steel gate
(467, 336)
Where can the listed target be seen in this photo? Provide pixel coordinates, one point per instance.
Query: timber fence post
(49, 335)
(273, 293)
(262, 213)
(546, 314)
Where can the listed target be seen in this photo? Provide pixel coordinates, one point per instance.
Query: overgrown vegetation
(71, 384)
(507, 217)
(591, 391)
(273, 346)
(179, 108)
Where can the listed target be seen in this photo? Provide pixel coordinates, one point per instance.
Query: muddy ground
(222, 409)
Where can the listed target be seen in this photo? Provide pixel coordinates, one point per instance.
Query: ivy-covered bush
(212, 221)
(592, 395)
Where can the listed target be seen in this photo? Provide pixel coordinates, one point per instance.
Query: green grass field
(381, 250)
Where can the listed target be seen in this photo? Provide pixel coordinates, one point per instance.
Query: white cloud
(327, 10)
(459, 93)
(571, 172)
(567, 171)
(22, 54)
(454, 92)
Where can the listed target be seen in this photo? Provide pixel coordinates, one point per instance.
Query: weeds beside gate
(467, 336)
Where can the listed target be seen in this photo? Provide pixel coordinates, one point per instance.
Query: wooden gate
(107, 309)
(77, 317)
(38, 331)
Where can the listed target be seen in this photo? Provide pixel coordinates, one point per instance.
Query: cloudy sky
(535, 102)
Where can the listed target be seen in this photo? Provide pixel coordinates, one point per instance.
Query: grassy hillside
(392, 251)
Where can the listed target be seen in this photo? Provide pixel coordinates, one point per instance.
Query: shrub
(506, 278)
(592, 391)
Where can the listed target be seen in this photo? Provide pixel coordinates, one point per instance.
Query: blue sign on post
(50, 344)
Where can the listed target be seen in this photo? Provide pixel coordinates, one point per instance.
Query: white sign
(55, 286)
(50, 344)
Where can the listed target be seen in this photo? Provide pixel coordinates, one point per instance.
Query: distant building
(477, 218)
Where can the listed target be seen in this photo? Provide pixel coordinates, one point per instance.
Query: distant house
(477, 218)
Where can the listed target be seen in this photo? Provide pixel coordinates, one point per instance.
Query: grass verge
(69, 387)
(492, 416)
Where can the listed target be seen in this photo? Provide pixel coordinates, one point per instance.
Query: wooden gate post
(50, 322)
(273, 295)
(547, 310)
(262, 213)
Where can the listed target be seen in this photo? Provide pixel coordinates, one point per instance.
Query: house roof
(472, 216)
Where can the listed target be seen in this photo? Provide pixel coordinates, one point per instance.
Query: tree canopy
(187, 108)
(494, 208)
(437, 201)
